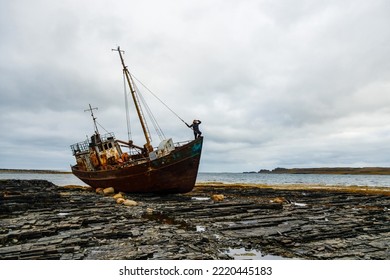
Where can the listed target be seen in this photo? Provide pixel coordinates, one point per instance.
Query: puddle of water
(243, 254)
(200, 228)
(61, 214)
(200, 198)
(299, 204)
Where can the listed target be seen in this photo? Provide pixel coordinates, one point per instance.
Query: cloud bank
(275, 83)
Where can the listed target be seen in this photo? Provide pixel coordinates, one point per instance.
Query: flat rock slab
(39, 220)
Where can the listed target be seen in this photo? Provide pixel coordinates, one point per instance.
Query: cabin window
(107, 146)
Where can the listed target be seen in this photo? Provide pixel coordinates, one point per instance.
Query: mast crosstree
(93, 117)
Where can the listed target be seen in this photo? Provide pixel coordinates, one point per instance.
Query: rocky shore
(39, 220)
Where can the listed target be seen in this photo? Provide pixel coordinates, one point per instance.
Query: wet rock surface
(39, 220)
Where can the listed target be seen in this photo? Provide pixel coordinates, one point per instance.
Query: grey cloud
(274, 84)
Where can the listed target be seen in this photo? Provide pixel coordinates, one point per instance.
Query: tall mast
(141, 117)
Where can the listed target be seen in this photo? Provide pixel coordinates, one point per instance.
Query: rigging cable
(102, 127)
(156, 126)
(129, 136)
(158, 99)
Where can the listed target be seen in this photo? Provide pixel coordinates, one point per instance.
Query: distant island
(37, 171)
(328, 170)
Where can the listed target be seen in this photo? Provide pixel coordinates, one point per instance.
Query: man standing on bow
(195, 126)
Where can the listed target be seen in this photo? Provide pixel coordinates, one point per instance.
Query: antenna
(118, 50)
(93, 117)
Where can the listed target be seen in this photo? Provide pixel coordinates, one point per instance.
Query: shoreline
(302, 187)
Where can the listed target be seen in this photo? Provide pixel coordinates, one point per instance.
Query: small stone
(278, 200)
(99, 190)
(118, 195)
(129, 202)
(218, 197)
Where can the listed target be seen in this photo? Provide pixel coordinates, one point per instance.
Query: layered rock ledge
(39, 220)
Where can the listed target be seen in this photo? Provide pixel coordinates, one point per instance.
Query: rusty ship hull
(173, 173)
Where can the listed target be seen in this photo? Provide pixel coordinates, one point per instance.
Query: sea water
(280, 179)
(62, 179)
(244, 178)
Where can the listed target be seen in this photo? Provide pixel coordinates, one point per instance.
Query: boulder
(118, 195)
(278, 200)
(99, 190)
(218, 197)
(129, 202)
(109, 191)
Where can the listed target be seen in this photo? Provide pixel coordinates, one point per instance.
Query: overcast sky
(275, 83)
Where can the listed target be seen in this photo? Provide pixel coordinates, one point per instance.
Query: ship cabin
(98, 153)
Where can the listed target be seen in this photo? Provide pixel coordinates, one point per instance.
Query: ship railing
(107, 136)
(82, 147)
(182, 143)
